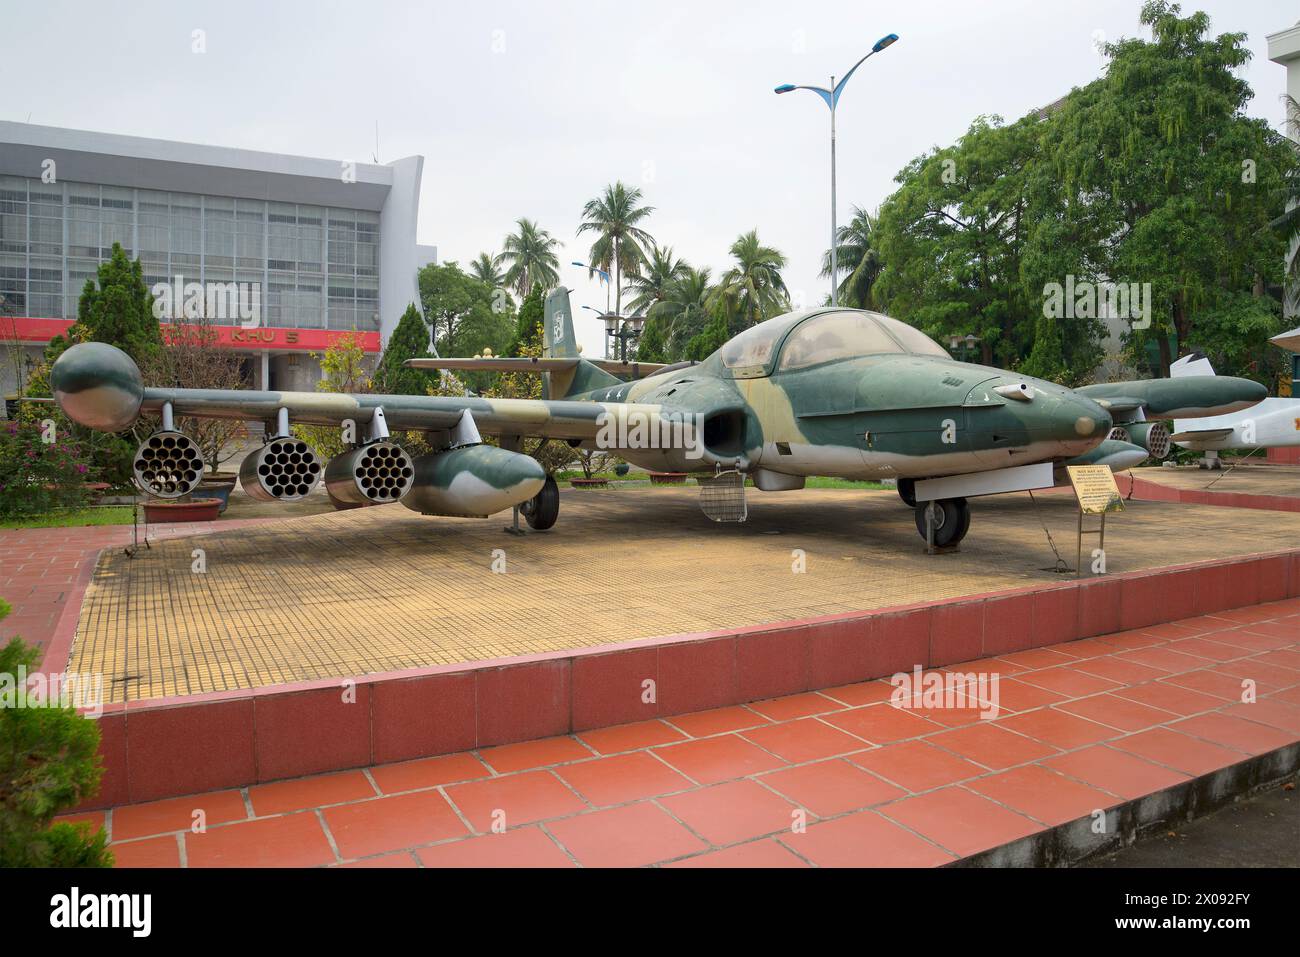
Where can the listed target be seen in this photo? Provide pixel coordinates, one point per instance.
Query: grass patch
(818, 481)
(73, 518)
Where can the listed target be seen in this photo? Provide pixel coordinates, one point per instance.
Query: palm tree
(614, 217)
(531, 258)
(684, 308)
(753, 289)
(857, 259)
(662, 268)
(487, 269)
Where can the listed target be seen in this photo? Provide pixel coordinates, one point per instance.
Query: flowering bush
(40, 469)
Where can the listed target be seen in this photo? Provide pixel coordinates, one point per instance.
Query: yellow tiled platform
(382, 589)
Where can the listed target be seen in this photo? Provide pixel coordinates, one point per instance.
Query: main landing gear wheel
(541, 511)
(907, 491)
(951, 521)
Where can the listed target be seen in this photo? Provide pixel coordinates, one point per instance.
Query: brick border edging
(184, 745)
(1075, 841)
(1144, 490)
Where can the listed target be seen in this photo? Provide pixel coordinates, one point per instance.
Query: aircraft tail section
(560, 342)
(1194, 363)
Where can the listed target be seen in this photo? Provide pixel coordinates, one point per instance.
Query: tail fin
(1194, 363)
(559, 342)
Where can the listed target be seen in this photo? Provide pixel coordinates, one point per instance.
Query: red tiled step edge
(182, 745)
(1131, 486)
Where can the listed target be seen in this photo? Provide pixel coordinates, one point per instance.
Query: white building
(329, 245)
(1284, 48)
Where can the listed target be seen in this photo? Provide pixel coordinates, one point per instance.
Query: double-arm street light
(831, 97)
(629, 332)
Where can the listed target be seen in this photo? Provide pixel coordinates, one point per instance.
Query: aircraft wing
(1184, 397)
(635, 370)
(100, 387)
(550, 418)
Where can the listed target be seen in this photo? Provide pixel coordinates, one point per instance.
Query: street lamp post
(620, 328)
(604, 277)
(832, 97)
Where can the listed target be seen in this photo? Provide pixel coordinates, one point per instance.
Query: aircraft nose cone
(1090, 419)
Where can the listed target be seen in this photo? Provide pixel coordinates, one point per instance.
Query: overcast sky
(530, 108)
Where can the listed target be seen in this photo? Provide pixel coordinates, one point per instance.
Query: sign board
(1095, 488)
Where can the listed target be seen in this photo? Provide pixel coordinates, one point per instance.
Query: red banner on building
(38, 330)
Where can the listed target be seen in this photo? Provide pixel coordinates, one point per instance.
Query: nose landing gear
(944, 522)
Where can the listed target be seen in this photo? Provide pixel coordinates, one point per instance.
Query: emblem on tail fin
(558, 339)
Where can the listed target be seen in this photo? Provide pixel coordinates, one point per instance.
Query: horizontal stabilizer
(1200, 435)
(634, 370)
(495, 365)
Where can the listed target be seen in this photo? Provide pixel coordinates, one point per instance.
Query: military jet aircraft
(1273, 423)
(825, 392)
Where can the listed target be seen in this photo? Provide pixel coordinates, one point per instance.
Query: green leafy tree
(1179, 182)
(1288, 222)
(858, 261)
(722, 324)
(410, 340)
(753, 289)
(652, 346)
(528, 324)
(552, 455)
(529, 257)
(116, 307)
(952, 239)
(343, 370)
(615, 217)
(464, 313)
(49, 763)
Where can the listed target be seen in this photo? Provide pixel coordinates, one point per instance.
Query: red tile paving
(840, 777)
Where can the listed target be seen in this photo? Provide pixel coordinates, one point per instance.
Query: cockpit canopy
(810, 339)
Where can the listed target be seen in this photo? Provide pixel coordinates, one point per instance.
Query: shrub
(49, 762)
(37, 475)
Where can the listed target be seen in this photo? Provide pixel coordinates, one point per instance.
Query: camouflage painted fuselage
(875, 416)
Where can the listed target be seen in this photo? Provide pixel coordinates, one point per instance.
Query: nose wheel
(944, 522)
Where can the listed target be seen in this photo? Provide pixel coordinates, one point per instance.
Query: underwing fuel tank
(473, 481)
